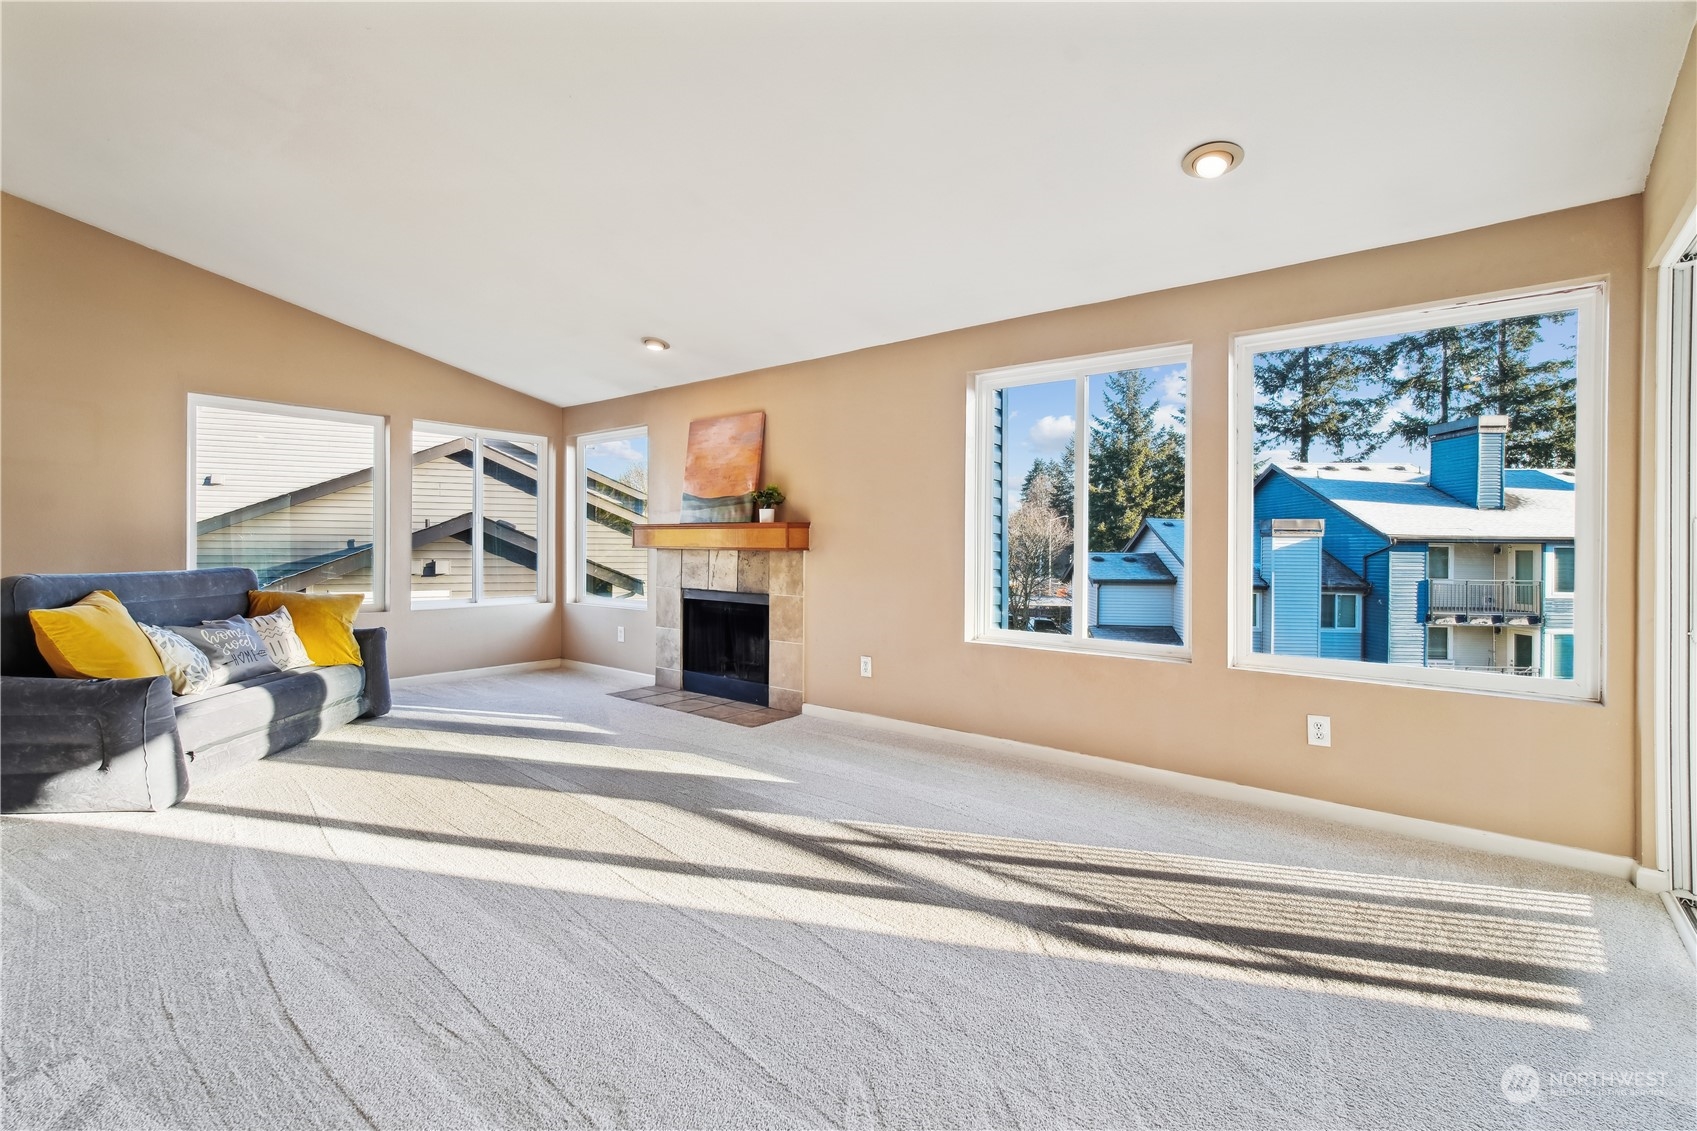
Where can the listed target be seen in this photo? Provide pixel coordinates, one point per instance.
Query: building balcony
(1499, 669)
(1467, 601)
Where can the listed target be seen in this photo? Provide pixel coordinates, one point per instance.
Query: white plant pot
(768, 514)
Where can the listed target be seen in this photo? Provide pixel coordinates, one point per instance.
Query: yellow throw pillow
(323, 621)
(96, 638)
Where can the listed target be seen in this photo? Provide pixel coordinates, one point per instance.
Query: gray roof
(1169, 530)
(1134, 568)
(1398, 502)
(1335, 575)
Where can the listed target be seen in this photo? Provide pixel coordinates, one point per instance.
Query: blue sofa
(93, 746)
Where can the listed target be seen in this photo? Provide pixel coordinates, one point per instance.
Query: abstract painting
(722, 467)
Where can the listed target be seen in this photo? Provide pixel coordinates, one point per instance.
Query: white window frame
(580, 500)
(1590, 299)
(544, 539)
(980, 405)
(379, 477)
(1449, 561)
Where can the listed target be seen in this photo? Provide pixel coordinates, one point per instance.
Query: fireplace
(725, 644)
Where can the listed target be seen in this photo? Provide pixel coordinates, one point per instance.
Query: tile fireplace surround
(777, 573)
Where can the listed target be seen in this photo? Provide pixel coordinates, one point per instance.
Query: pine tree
(1537, 397)
(1329, 394)
(1136, 466)
(1438, 367)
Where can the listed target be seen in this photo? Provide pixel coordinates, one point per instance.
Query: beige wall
(1670, 196)
(870, 446)
(102, 340)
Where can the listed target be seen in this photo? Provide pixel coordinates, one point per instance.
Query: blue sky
(1039, 419)
(613, 458)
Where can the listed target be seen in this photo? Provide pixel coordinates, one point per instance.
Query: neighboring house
(613, 567)
(1468, 567)
(317, 537)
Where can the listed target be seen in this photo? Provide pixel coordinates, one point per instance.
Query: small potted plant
(767, 499)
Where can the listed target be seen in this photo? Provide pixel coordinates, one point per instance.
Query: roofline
(1272, 467)
(1149, 525)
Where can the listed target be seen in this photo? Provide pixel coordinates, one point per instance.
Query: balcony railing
(1500, 669)
(1464, 597)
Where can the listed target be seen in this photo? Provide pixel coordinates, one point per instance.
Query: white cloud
(1166, 416)
(619, 449)
(1051, 433)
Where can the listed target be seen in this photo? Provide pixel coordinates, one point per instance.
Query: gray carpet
(521, 902)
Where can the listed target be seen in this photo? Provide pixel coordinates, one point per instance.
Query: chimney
(1290, 561)
(1467, 460)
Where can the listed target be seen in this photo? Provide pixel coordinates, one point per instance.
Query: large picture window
(1441, 468)
(295, 494)
(479, 511)
(613, 489)
(1076, 528)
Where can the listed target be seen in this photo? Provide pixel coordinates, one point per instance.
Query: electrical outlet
(866, 666)
(1319, 730)
(621, 634)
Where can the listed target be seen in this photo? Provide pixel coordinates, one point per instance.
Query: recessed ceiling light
(1213, 159)
(658, 345)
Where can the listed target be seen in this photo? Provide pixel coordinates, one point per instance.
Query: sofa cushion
(96, 638)
(324, 622)
(235, 649)
(278, 631)
(186, 666)
(259, 704)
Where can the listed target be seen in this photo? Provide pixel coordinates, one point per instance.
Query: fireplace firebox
(725, 650)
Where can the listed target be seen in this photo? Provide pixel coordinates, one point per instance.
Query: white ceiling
(526, 190)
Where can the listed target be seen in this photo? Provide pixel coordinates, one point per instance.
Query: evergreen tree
(1136, 466)
(1439, 366)
(1537, 397)
(1329, 394)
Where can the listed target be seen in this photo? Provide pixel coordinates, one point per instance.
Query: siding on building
(1348, 539)
(1140, 605)
(1291, 564)
(1405, 585)
(1340, 643)
(1147, 542)
(998, 518)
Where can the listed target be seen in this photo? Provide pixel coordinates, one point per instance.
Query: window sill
(1055, 642)
(631, 603)
(488, 602)
(1545, 690)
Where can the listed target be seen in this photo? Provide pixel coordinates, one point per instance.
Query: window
(1561, 577)
(613, 484)
(479, 508)
(295, 494)
(1337, 610)
(1076, 521)
(1437, 644)
(1561, 655)
(1437, 468)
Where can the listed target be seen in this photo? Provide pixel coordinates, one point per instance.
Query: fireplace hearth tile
(784, 577)
(709, 706)
(722, 571)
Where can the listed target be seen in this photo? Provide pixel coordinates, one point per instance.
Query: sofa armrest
(89, 745)
(374, 652)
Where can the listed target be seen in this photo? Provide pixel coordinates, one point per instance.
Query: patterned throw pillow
(281, 640)
(187, 666)
(230, 644)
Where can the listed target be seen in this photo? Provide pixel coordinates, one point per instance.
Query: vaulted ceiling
(526, 190)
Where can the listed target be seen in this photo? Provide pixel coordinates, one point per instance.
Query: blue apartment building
(1468, 567)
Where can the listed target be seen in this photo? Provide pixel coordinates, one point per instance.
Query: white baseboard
(604, 669)
(1682, 924)
(1652, 880)
(1621, 867)
(474, 673)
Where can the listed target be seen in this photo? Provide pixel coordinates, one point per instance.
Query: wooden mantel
(722, 535)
